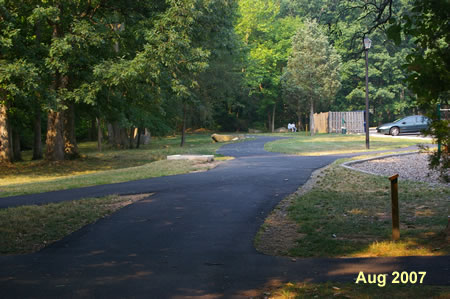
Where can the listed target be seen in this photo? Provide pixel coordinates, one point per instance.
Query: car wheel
(394, 131)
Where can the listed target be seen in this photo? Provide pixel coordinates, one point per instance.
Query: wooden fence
(353, 121)
(333, 122)
(321, 122)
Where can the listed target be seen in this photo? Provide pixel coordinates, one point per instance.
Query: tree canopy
(89, 69)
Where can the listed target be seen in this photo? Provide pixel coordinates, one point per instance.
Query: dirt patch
(205, 166)
(125, 200)
(279, 233)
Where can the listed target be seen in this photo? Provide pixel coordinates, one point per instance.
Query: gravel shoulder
(413, 167)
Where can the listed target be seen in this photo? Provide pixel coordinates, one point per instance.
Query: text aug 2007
(397, 278)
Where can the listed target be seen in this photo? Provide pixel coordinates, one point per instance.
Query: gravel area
(412, 167)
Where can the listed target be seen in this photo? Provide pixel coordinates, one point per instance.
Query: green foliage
(266, 35)
(389, 96)
(18, 74)
(17, 77)
(159, 66)
(428, 67)
(313, 69)
(221, 97)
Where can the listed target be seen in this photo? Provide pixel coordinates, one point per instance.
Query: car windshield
(396, 121)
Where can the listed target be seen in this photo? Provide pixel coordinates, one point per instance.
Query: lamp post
(367, 44)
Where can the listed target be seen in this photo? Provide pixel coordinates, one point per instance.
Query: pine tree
(313, 68)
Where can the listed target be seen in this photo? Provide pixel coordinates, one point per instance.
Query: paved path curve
(192, 238)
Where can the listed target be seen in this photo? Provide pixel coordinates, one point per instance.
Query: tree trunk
(55, 136)
(55, 122)
(299, 121)
(17, 154)
(93, 130)
(110, 129)
(37, 135)
(139, 137)
(99, 135)
(120, 136)
(311, 118)
(183, 130)
(123, 134)
(272, 126)
(5, 139)
(175, 128)
(131, 138)
(269, 121)
(70, 142)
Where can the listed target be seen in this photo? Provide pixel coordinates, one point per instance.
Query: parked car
(409, 124)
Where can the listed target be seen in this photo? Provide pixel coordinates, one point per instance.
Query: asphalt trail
(193, 237)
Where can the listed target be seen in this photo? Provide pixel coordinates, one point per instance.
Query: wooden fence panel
(353, 121)
(321, 122)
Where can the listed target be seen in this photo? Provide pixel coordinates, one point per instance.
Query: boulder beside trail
(226, 138)
(223, 138)
(281, 130)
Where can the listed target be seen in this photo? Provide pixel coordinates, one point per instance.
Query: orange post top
(391, 178)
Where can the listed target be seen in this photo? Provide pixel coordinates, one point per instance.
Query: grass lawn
(29, 228)
(108, 166)
(349, 290)
(328, 144)
(348, 214)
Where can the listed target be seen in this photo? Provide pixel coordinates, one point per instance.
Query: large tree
(69, 38)
(266, 34)
(220, 101)
(161, 68)
(18, 75)
(313, 67)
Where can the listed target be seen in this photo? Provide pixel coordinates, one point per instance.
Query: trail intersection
(193, 237)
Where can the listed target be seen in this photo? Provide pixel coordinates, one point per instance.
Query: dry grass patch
(150, 170)
(351, 290)
(28, 229)
(280, 233)
(108, 166)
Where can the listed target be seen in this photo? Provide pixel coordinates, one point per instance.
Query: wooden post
(394, 202)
